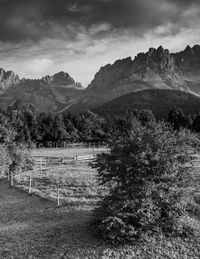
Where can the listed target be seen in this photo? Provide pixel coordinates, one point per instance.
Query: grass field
(32, 227)
(35, 227)
(65, 152)
(77, 181)
(77, 184)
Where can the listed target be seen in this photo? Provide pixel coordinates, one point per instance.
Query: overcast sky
(39, 37)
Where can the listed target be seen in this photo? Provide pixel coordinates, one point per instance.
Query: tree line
(48, 129)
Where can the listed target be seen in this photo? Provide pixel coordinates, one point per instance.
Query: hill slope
(159, 101)
(51, 93)
(155, 69)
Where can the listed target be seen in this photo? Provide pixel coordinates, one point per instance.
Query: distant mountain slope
(155, 69)
(159, 101)
(49, 94)
(7, 79)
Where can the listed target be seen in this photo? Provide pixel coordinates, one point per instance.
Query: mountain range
(157, 69)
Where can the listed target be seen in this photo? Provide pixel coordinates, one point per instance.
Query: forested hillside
(160, 102)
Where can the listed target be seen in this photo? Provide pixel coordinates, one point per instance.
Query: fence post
(11, 179)
(93, 148)
(30, 183)
(40, 163)
(20, 172)
(58, 195)
(8, 174)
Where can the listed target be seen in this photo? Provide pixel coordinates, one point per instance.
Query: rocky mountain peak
(62, 78)
(196, 49)
(188, 60)
(157, 66)
(47, 79)
(110, 73)
(160, 57)
(8, 79)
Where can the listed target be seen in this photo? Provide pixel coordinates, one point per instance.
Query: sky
(40, 37)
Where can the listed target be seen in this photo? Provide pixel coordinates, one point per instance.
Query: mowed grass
(35, 227)
(32, 227)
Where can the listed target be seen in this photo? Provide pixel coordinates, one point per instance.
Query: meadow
(33, 226)
(77, 184)
(66, 152)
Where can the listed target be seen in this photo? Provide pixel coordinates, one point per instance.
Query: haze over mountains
(155, 69)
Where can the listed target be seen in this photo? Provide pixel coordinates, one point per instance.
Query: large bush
(147, 179)
(14, 154)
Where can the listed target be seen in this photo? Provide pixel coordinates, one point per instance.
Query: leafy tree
(72, 132)
(20, 158)
(146, 183)
(145, 116)
(58, 131)
(196, 124)
(177, 119)
(45, 122)
(14, 154)
(4, 160)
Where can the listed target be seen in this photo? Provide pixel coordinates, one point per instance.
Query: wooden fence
(37, 186)
(43, 161)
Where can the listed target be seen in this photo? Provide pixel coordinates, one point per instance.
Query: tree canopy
(146, 180)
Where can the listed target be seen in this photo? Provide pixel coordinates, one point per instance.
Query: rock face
(60, 78)
(49, 94)
(8, 79)
(155, 69)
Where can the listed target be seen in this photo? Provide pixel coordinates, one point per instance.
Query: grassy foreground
(32, 227)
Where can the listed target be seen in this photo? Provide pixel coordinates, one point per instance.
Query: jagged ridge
(155, 69)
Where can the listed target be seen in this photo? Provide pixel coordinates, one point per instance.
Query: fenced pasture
(42, 229)
(48, 157)
(63, 176)
(67, 152)
(65, 185)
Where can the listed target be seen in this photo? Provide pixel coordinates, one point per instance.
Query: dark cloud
(34, 20)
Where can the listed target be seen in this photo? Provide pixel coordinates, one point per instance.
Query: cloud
(40, 37)
(34, 20)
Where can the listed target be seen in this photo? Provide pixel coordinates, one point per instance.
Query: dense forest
(48, 129)
(160, 102)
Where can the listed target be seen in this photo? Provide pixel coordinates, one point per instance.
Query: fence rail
(54, 161)
(59, 192)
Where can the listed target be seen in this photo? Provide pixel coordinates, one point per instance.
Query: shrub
(14, 155)
(147, 182)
